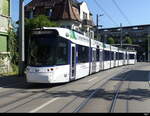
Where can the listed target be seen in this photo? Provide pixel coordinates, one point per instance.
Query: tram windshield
(47, 50)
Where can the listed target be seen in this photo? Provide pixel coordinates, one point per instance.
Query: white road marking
(92, 79)
(44, 105)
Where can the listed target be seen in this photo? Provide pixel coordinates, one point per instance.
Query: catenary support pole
(149, 48)
(121, 37)
(21, 38)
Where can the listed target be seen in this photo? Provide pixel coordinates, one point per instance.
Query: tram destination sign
(40, 32)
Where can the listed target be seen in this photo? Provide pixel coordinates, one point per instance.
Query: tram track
(116, 93)
(86, 101)
(128, 96)
(45, 94)
(35, 94)
(93, 93)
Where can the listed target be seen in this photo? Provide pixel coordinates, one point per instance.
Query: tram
(60, 55)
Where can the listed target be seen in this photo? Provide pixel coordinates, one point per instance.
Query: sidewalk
(6, 80)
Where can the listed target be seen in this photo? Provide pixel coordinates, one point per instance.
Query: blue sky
(137, 11)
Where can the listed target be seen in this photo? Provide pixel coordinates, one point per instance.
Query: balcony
(87, 22)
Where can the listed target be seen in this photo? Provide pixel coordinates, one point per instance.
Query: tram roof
(76, 37)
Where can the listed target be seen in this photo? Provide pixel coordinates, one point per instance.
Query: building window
(31, 14)
(49, 12)
(84, 15)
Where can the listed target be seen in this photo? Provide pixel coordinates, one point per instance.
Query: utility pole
(149, 47)
(121, 35)
(21, 38)
(97, 25)
(97, 21)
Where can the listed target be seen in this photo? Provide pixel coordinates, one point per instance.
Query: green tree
(13, 47)
(38, 22)
(128, 40)
(110, 40)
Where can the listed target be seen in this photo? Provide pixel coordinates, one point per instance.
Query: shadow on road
(135, 94)
(17, 82)
(135, 75)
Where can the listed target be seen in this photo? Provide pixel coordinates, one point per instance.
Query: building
(68, 13)
(87, 19)
(139, 35)
(4, 26)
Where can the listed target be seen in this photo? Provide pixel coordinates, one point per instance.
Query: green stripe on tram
(72, 35)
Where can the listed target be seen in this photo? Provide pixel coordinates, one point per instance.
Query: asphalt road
(119, 90)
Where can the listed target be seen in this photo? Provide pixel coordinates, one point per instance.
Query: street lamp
(21, 38)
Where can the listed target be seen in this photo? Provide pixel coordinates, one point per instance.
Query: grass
(14, 72)
(9, 74)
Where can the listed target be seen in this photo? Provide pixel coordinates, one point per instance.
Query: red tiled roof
(65, 11)
(62, 9)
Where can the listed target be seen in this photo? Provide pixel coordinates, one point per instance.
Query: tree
(38, 22)
(128, 40)
(110, 40)
(13, 45)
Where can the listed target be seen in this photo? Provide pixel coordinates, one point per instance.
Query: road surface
(119, 90)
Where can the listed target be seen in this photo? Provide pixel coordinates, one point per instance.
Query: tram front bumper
(38, 77)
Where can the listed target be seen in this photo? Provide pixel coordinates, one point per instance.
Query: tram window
(112, 55)
(83, 54)
(131, 56)
(62, 51)
(117, 58)
(120, 56)
(106, 55)
(97, 55)
(48, 50)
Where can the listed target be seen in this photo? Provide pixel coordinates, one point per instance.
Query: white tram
(59, 55)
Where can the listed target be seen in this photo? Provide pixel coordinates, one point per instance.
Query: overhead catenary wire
(101, 8)
(122, 13)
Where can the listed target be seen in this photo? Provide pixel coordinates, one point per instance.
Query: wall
(6, 7)
(3, 43)
(84, 8)
(4, 24)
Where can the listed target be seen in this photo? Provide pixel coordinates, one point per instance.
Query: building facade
(68, 13)
(4, 26)
(139, 34)
(87, 20)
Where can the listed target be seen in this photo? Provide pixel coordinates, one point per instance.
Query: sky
(136, 12)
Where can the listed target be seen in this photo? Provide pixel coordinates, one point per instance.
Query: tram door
(73, 62)
(93, 60)
(101, 60)
(114, 59)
